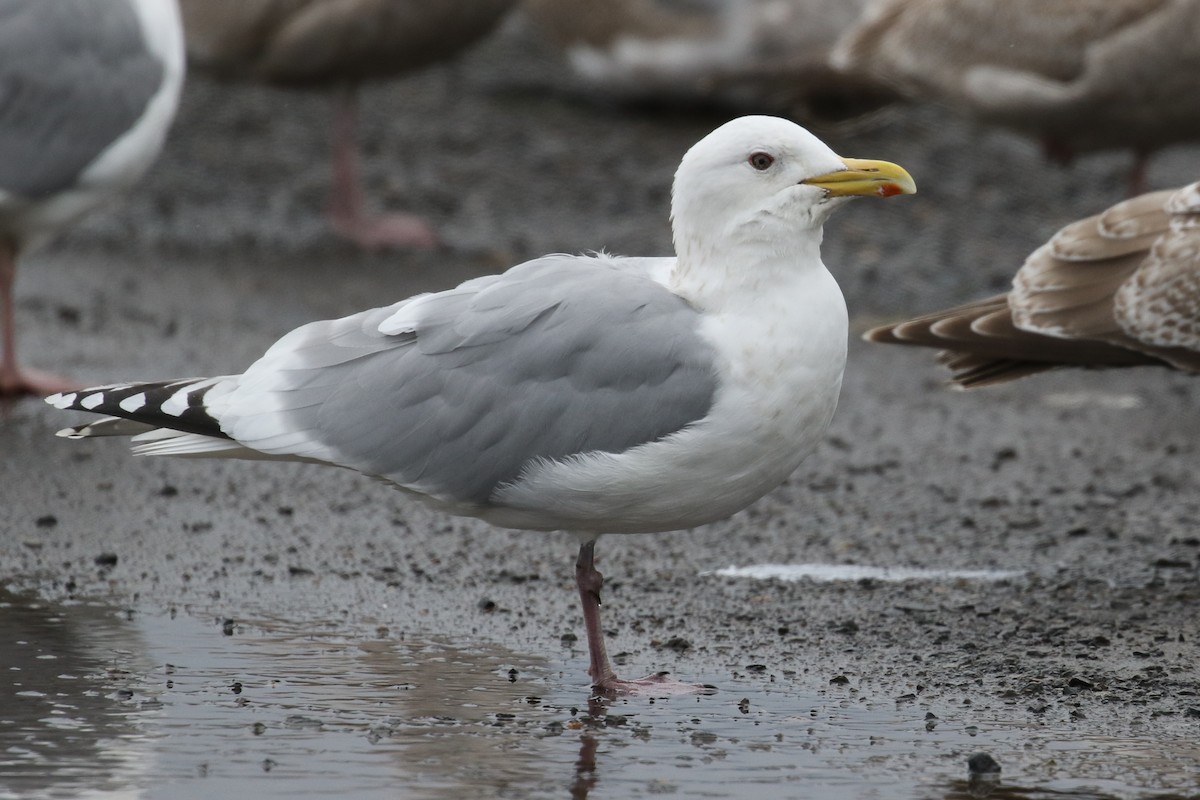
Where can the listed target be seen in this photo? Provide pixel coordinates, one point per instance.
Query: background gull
(88, 89)
(587, 394)
(340, 44)
(737, 53)
(1079, 75)
(1121, 288)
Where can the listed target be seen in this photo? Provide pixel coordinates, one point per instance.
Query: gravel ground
(1082, 483)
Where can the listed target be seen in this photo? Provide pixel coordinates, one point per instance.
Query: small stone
(983, 775)
(677, 643)
(982, 763)
(1080, 684)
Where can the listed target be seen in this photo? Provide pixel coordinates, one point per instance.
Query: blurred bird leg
(347, 206)
(604, 678)
(15, 381)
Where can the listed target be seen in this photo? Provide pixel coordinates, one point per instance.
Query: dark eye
(761, 160)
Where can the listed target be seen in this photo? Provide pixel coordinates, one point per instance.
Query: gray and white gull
(587, 394)
(88, 89)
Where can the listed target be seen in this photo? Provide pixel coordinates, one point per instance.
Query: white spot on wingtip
(177, 403)
(60, 400)
(92, 400)
(133, 402)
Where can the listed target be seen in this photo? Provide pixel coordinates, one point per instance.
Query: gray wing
(454, 394)
(74, 76)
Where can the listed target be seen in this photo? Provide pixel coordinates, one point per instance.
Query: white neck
(748, 263)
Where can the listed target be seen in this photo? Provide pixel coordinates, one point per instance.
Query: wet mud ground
(186, 629)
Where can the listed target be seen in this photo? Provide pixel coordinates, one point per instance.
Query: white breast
(780, 363)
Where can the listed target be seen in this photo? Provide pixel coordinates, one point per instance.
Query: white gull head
(760, 188)
(750, 172)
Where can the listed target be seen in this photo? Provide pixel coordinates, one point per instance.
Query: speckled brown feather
(1121, 288)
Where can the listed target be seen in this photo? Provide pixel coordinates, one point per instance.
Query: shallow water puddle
(101, 704)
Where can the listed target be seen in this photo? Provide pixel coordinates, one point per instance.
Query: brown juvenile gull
(339, 44)
(1079, 75)
(588, 394)
(88, 89)
(736, 53)
(1121, 288)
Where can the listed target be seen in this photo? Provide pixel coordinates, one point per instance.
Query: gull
(88, 89)
(585, 394)
(1121, 288)
(338, 44)
(1080, 75)
(733, 53)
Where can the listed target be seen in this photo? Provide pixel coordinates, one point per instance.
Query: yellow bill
(865, 177)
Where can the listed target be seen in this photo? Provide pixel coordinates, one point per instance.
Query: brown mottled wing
(1160, 305)
(1118, 289)
(981, 345)
(1066, 287)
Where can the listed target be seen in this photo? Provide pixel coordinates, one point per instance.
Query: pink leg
(15, 381)
(1137, 173)
(347, 207)
(1058, 151)
(589, 581)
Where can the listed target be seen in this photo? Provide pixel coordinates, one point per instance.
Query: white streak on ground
(828, 573)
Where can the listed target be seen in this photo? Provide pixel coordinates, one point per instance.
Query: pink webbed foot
(386, 231)
(660, 684)
(347, 203)
(605, 682)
